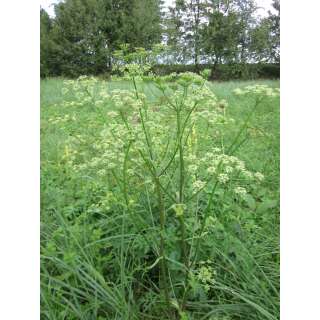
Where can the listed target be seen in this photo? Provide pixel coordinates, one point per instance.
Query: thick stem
(181, 160)
(232, 148)
(183, 242)
(163, 265)
(123, 226)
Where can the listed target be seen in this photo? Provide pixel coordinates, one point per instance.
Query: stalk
(232, 149)
(183, 242)
(163, 265)
(126, 198)
(152, 169)
(181, 160)
(142, 121)
(184, 253)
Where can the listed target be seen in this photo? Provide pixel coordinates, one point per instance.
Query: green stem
(126, 198)
(178, 137)
(152, 169)
(146, 134)
(183, 242)
(244, 126)
(135, 87)
(163, 266)
(208, 208)
(181, 160)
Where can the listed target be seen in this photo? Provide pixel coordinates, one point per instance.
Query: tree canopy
(84, 34)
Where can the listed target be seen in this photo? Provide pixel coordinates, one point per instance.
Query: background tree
(80, 44)
(260, 46)
(226, 36)
(143, 25)
(265, 37)
(173, 33)
(194, 13)
(275, 31)
(86, 32)
(221, 36)
(246, 10)
(45, 43)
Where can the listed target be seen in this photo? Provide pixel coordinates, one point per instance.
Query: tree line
(83, 35)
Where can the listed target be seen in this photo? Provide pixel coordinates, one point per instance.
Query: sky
(263, 11)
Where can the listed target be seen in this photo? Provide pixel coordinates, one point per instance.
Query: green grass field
(100, 236)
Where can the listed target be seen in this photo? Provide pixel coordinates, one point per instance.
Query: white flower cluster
(62, 119)
(85, 90)
(223, 178)
(240, 191)
(258, 89)
(197, 185)
(69, 154)
(208, 107)
(259, 176)
(134, 69)
(206, 275)
(222, 168)
(125, 99)
(150, 129)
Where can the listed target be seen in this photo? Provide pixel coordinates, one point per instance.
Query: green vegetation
(84, 35)
(159, 188)
(159, 198)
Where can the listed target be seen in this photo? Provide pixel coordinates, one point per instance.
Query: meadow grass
(100, 262)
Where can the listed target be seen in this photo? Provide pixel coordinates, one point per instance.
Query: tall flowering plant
(171, 150)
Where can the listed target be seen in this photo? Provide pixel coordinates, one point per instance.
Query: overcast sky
(264, 4)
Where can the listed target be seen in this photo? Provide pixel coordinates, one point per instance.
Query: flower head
(240, 191)
(223, 178)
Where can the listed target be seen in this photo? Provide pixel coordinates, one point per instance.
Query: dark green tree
(174, 33)
(260, 46)
(143, 23)
(45, 44)
(221, 37)
(84, 33)
(275, 31)
(265, 37)
(194, 14)
(82, 46)
(225, 35)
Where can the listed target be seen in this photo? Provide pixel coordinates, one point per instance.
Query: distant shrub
(163, 69)
(270, 71)
(224, 71)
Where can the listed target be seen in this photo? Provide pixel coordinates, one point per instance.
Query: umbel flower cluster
(258, 89)
(149, 129)
(84, 91)
(165, 141)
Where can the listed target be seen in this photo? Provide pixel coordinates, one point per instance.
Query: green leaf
(267, 204)
(248, 198)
